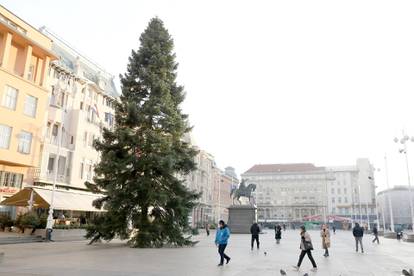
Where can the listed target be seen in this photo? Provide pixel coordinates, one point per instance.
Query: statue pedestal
(241, 217)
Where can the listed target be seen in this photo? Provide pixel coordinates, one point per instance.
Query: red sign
(8, 190)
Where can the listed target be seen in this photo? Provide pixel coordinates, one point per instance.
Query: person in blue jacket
(222, 237)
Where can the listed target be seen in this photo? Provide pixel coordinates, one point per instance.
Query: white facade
(294, 192)
(81, 105)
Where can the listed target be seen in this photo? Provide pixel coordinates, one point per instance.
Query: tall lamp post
(404, 140)
(388, 196)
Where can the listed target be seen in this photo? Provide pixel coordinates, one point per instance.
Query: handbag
(307, 245)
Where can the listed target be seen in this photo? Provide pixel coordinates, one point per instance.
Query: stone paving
(77, 258)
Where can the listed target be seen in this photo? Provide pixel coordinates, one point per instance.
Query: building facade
(80, 105)
(400, 201)
(25, 54)
(297, 192)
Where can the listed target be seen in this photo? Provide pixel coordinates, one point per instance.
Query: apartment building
(80, 105)
(25, 55)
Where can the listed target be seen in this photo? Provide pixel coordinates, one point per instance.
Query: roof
(71, 59)
(63, 200)
(284, 168)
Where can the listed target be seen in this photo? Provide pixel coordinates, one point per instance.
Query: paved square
(77, 258)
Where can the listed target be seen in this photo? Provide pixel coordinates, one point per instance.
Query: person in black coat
(255, 231)
(375, 232)
(278, 233)
(358, 233)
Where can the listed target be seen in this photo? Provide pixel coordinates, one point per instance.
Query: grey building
(400, 201)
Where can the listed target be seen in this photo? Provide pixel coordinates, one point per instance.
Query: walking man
(358, 233)
(255, 231)
(222, 237)
(278, 233)
(375, 232)
(208, 229)
(305, 247)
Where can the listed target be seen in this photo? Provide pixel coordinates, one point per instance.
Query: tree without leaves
(144, 158)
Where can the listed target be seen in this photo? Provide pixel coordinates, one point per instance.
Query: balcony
(48, 176)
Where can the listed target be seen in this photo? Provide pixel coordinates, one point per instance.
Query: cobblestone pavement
(77, 258)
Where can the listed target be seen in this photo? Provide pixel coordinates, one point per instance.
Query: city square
(115, 258)
(164, 137)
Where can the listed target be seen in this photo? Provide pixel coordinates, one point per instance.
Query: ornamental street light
(404, 141)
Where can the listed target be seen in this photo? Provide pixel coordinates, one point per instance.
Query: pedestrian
(278, 233)
(255, 231)
(375, 232)
(306, 247)
(326, 240)
(284, 227)
(334, 229)
(207, 230)
(222, 237)
(358, 233)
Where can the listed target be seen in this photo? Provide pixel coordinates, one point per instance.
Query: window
(81, 105)
(81, 170)
(346, 200)
(339, 190)
(5, 133)
(339, 199)
(51, 163)
(333, 191)
(10, 97)
(30, 106)
(25, 142)
(333, 200)
(345, 191)
(55, 130)
(9, 179)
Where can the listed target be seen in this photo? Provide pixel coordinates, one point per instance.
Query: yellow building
(25, 54)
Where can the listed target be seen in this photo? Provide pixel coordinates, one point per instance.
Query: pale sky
(323, 82)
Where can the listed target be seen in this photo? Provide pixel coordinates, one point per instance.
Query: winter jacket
(222, 235)
(278, 232)
(304, 237)
(326, 241)
(358, 231)
(255, 229)
(375, 231)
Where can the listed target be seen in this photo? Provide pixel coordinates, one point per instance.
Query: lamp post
(388, 196)
(404, 140)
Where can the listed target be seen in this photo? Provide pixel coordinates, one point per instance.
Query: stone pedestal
(241, 217)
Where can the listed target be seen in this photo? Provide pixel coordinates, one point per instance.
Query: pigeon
(406, 273)
(265, 253)
(282, 272)
(306, 274)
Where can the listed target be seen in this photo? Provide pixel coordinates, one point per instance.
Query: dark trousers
(223, 256)
(255, 238)
(376, 238)
(302, 255)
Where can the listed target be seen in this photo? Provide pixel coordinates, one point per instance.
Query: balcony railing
(48, 176)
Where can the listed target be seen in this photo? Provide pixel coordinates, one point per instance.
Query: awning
(63, 199)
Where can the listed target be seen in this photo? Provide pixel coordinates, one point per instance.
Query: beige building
(25, 54)
(297, 192)
(80, 105)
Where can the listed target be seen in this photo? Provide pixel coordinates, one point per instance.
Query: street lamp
(404, 140)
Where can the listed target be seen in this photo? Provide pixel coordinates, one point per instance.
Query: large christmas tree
(144, 158)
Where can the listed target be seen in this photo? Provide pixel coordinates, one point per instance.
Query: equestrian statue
(243, 191)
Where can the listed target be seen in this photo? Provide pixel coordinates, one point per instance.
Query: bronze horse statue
(243, 190)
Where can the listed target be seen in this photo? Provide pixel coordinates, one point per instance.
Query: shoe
(228, 260)
(220, 265)
(295, 267)
(314, 269)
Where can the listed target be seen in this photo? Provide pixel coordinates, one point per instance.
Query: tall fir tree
(144, 158)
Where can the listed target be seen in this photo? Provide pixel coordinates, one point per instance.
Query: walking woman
(326, 239)
(222, 237)
(305, 247)
(278, 233)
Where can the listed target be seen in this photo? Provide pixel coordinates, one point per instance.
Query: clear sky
(323, 82)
